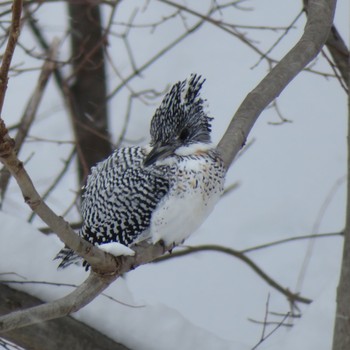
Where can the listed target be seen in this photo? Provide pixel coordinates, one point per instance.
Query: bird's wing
(120, 197)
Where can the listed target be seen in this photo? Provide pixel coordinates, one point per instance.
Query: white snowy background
(292, 182)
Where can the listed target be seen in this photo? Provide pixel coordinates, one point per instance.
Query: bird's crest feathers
(182, 109)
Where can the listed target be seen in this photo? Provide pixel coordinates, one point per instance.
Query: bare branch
(285, 32)
(80, 297)
(341, 336)
(106, 266)
(340, 53)
(277, 325)
(315, 34)
(291, 239)
(9, 158)
(292, 297)
(154, 58)
(84, 294)
(338, 50)
(65, 333)
(30, 111)
(10, 49)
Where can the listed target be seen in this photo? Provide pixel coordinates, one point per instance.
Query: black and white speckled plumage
(159, 192)
(120, 196)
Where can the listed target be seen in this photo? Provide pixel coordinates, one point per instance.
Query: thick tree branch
(65, 333)
(72, 302)
(82, 295)
(318, 25)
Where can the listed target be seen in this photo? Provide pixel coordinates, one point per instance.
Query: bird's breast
(196, 187)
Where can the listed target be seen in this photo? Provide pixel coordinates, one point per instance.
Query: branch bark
(316, 31)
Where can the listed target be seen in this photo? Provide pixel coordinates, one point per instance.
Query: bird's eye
(184, 134)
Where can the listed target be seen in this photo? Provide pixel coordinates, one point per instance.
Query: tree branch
(338, 50)
(341, 336)
(30, 111)
(290, 239)
(318, 25)
(82, 295)
(292, 297)
(94, 256)
(65, 333)
(72, 302)
(10, 49)
(100, 261)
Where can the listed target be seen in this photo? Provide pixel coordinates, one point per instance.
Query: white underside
(177, 218)
(188, 204)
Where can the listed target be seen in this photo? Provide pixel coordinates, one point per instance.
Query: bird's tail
(68, 257)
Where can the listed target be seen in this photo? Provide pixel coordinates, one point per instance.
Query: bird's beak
(159, 152)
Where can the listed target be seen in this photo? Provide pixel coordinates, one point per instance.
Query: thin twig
(315, 34)
(335, 69)
(290, 239)
(265, 316)
(316, 227)
(283, 120)
(286, 31)
(153, 59)
(278, 325)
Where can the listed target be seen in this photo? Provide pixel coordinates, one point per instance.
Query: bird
(160, 192)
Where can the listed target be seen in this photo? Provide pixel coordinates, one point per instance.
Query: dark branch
(89, 90)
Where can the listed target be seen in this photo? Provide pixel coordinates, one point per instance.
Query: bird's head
(179, 121)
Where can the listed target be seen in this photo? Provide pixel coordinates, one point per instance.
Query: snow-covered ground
(291, 183)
